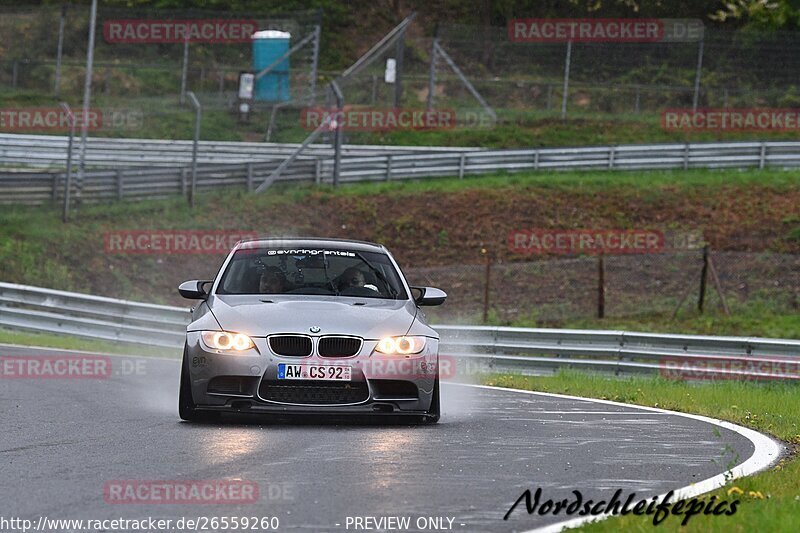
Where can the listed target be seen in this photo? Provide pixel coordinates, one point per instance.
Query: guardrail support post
(249, 177)
(462, 163)
(184, 181)
(762, 156)
(703, 280)
(686, 156)
(601, 286)
(56, 181)
(120, 189)
(388, 168)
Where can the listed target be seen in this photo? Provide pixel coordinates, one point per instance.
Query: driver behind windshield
(353, 277)
(272, 281)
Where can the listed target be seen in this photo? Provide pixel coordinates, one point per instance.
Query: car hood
(259, 316)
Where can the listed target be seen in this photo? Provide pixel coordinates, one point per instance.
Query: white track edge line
(86, 352)
(766, 452)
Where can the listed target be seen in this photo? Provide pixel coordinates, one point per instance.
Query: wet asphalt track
(62, 440)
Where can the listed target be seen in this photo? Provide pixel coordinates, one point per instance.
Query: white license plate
(316, 372)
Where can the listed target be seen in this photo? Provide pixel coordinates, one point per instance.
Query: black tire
(187, 409)
(435, 410)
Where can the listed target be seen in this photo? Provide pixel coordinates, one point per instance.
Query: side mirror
(428, 295)
(194, 290)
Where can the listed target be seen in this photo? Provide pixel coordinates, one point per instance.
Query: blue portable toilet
(268, 46)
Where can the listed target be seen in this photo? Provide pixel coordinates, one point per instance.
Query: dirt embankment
(437, 228)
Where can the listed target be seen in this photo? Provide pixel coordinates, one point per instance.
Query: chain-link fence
(666, 284)
(43, 52)
(733, 69)
(485, 78)
(143, 65)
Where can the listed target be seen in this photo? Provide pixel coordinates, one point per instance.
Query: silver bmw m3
(314, 326)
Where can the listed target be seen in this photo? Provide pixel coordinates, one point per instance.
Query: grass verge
(770, 500)
(65, 342)
(746, 320)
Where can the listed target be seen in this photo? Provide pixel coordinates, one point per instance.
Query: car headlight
(223, 340)
(400, 345)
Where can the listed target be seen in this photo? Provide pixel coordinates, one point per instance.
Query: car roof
(314, 242)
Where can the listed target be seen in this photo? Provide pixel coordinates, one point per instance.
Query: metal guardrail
(29, 308)
(36, 188)
(49, 151)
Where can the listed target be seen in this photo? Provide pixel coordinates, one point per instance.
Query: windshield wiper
(380, 275)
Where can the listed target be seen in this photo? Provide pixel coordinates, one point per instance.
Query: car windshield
(312, 271)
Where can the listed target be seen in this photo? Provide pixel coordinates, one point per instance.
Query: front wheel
(435, 410)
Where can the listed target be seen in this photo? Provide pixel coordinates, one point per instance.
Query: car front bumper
(247, 381)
